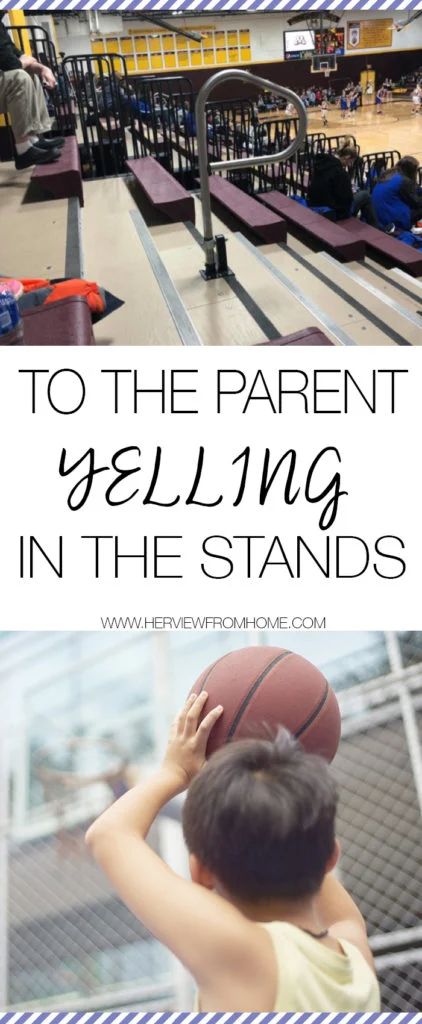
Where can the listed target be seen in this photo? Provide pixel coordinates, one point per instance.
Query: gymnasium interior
(93, 709)
(180, 190)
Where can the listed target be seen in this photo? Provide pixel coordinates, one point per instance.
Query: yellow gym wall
(161, 50)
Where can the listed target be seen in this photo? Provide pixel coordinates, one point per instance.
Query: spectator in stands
(189, 122)
(140, 108)
(258, 138)
(376, 172)
(331, 186)
(110, 95)
(395, 196)
(21, 95)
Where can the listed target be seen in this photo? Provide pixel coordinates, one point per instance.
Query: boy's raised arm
(203, 930)
(342, 916)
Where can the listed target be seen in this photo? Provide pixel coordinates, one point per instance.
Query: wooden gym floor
(395, 128)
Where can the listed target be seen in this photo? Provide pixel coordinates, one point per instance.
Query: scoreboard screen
(298, 42)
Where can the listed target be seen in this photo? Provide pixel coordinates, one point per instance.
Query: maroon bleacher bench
(63, 178)
(307, 336)
(262, 222)
(327, 233)
(386, 246)
(162, 190)
(65, 322)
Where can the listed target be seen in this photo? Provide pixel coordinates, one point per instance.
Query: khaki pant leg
(21, 97)
(44, 119)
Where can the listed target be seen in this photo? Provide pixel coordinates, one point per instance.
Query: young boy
(263, 925)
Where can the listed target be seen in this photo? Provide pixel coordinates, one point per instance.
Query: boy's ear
(200, 874)
(334, 858)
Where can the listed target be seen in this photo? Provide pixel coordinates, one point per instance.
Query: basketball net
(61, 789)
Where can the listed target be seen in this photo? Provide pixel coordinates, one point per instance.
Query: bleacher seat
(252, 214)
(332, 236)
(63, 178)
(383, 245)
(66, 322)
(307, 336)
(162, 190)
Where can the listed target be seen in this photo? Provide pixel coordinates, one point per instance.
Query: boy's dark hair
(261, 816)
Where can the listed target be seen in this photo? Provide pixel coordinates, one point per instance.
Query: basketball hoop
(77, 780)
(327, 73)
(61, 786)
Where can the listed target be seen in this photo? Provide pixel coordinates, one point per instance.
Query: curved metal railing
(205, 167)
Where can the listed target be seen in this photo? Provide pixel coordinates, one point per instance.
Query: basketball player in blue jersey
(344, 105)
(379, 100)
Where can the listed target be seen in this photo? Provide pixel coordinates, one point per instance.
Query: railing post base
(217, 265)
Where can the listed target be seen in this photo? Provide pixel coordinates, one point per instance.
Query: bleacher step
(35, 232)
(300, 269)
(114, 257)
(216, 309)
(399, 288)
(398, 320)
(375, 324)
(62, 178)
(412, 283)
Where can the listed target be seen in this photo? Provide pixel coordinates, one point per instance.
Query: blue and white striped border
(123, 1017)
(212, 6)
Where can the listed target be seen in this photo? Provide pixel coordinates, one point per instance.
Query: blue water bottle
(11, 326)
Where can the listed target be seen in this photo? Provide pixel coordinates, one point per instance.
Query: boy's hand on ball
(188, 739)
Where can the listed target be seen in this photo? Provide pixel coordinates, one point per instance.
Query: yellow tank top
(313, 977)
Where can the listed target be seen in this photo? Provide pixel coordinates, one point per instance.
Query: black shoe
(35, 156)
(44, 143)
(390, 229)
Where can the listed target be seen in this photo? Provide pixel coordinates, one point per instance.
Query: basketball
(262, 688)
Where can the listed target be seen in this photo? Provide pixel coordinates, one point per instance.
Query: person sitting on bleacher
(330, 186)
(140, 108)
(188, 122)
(21, 95)
(376, 172)
(110, 95)
(396, 199)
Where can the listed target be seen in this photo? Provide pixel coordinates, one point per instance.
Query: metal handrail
(251, 161)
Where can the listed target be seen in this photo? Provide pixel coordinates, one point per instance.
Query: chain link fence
(71, 943)
(378, 769)
(70, 939)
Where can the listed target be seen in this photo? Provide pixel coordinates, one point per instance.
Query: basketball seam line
(314, 713)
(252, 691)
(217, 662)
